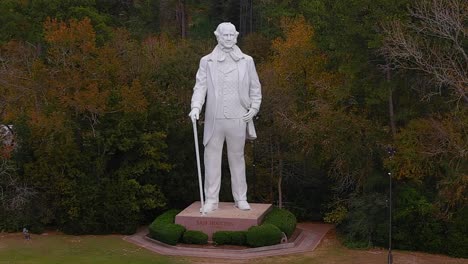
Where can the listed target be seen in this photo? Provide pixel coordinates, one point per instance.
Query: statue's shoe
(243, 205)
(209, 207)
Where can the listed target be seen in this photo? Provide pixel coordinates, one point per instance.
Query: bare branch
(432, 43)
(14, 195)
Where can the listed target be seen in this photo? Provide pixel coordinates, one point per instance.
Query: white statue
(228, 82)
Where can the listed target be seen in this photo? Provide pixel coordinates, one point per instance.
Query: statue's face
(228, 36)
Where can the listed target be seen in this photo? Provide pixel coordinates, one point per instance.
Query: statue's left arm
(255, 92)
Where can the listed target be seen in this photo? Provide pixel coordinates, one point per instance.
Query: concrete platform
(226, 218)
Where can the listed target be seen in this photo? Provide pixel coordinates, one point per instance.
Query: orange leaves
(72, 75)
(155, 48)
(294, 53)
(296, 78)
(298, 63)
(90, 99)
(77, 37)
(298, 36)
(133, 99)
(86, 75)
(45, 125)
(301, 100)
(428, 144)
(75, 80)
(18, 86)
(157, 45)
(435, 147)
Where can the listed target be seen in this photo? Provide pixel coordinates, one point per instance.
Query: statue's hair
(224, 24)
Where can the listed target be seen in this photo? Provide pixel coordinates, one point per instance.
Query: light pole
(391, 151)
(390, 257)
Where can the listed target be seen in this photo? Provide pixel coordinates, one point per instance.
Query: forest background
(94, 97)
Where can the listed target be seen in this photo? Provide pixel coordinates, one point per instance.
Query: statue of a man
(227, 80)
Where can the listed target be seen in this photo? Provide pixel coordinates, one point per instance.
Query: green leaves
(94, 149)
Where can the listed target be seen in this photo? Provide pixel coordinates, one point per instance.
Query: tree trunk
(272, 168)
(181, 18)
(390, 106)
(280, 181)
(166, 18)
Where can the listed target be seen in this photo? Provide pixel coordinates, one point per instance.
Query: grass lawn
(59, 248)
(56, 248)
(331, 251)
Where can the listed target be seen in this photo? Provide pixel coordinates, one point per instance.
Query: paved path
(310, 236)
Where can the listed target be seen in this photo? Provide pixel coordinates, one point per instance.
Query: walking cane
(197, 154)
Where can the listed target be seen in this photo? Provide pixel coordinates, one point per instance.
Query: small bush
(230, 238)
(195, 237)
(239, 238)
(222, 238)
(263, 235)
(168, 233)
(164, 229)
(283, 219)
(167, 217)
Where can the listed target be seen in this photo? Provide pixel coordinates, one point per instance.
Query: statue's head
(226, 34)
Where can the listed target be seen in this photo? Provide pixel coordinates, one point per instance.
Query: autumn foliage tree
(88, 144)
(304, 120)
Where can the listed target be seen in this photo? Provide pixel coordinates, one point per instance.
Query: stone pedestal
(226, 218)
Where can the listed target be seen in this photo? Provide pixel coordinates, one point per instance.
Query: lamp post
(391, 152)
(390, 257)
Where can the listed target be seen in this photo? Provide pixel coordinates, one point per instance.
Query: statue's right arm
(200, 88)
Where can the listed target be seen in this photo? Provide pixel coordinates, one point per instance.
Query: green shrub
(195, 237)
(457, 235)
(222, 238)
(164, 229)
(168, 233)
(239, 238)
(230, 238)
(283, 219)
(263, 235)
(167, 217)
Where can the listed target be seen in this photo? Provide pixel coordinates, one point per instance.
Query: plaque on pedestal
(226, 218)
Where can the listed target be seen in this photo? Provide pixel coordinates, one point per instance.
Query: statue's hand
(247, 117)
(194, 114)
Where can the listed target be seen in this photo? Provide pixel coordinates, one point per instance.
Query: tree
(22, 20)
(434, 148)
(16, 199)
(93, 150)
(433, 43)
(301, 113)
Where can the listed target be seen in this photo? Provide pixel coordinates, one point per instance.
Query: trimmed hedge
(239, 238)
(164, 229)
(195, 237)
(263, 235)
(230, 238)
(167, 217)
(169, 233)
(283, 219)
(222, 238)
